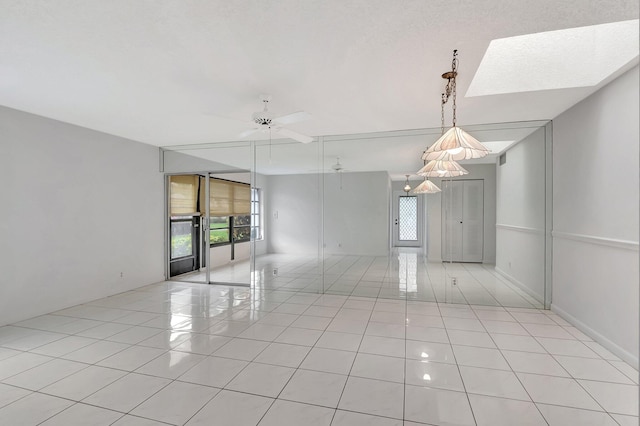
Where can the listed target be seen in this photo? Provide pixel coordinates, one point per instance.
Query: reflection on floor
(404, 275)
(237, 273)
(193, 354)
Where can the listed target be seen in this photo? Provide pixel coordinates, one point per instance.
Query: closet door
(473, 220)
(452, 211)
(463, 220)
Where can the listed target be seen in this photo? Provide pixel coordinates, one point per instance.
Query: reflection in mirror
(218, 195)
(287, 258)
(333, 216)
(494, 226)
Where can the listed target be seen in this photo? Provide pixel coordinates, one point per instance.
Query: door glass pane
(219, 230)
(408, 218)
(181, 239)
(242, 228)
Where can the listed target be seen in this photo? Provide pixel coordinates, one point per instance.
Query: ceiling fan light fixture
(266, 121)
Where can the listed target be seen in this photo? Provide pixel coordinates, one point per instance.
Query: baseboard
(520, 285)
(608, 344)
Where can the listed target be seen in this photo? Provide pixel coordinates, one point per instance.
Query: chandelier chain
(450, 88)
(454, 69)
(444, 101)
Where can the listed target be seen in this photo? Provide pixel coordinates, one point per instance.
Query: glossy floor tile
(177, 353)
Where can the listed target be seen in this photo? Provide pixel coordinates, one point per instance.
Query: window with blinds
(228, 198)
(183, 195)
(230, 203)
(230, 208)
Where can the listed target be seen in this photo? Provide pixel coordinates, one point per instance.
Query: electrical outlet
(454, 281)
(275, 272)
(121, 274)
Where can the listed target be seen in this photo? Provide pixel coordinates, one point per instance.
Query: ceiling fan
(338, 167)
(266, 121)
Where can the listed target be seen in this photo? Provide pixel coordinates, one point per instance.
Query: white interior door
(452, 208)
(473, 220)
(408, 213)
(463, 220)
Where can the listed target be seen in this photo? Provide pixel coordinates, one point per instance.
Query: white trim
(522, 286)
(520, 229)
(590, 239)
(608, 344)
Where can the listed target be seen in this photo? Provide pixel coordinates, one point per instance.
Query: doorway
(463, 220)
(407, 216)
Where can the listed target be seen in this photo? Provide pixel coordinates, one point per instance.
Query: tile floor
(403, 275)
(179, 353)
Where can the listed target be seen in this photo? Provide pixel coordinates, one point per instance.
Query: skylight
(574, 57)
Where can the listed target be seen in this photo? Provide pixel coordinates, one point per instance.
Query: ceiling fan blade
(293, 117)
(294, 135)
(247, 133)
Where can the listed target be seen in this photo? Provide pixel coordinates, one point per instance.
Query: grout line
(343, 298)
(516, 375)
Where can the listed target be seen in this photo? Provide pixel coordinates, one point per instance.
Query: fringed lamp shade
(458, 144)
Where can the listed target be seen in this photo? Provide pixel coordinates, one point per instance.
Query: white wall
(221, 255)
(595, 215)
(520, 215)
(434, 213)
(356, 217)
(293, 214)
(79, 208)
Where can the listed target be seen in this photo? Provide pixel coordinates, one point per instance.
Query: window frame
(256, 215)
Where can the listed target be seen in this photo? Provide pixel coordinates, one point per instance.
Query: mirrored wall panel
(339, 215)
(210, 202)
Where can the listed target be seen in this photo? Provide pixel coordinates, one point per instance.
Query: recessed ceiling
(182, 72)
(561, 59)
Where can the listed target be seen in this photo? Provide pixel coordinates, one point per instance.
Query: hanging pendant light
(458, 145)
(455, 142)
(426, 187)
(442, 168)
(407, 186)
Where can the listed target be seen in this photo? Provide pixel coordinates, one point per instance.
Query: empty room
(337, 213)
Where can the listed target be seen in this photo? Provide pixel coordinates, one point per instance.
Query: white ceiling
(182, 72)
